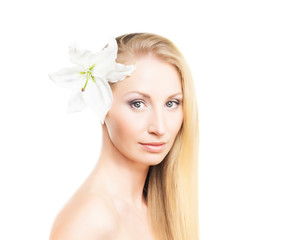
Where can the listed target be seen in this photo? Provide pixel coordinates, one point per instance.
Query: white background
(239, 55)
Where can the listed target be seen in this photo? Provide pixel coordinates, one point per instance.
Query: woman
(144, 185)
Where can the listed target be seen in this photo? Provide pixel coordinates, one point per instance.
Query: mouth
(154, 147)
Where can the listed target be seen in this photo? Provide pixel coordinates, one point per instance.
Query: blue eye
(136, 104)
(172, 104)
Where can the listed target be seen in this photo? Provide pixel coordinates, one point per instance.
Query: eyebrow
(148, 96)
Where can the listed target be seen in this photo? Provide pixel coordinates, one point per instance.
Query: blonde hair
(171, 187)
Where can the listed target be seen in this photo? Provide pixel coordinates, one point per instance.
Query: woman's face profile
(146, 112)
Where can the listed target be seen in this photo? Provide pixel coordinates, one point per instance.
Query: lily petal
(79, 56)
(120, 72)
(87, 58)
(68, 77)
(76, 102)
(104, 60)
(109, 53)
(98, 96)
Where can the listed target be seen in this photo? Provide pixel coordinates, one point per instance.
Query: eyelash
(132, 103)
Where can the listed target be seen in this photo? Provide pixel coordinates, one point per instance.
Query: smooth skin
(147, 107)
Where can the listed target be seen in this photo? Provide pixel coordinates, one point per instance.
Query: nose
(156, 123)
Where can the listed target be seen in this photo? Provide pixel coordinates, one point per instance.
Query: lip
(154, 147)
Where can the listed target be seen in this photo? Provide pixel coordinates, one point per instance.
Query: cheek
(123, 128)
(175, 123)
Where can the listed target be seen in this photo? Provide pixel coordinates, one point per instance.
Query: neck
(121, 177)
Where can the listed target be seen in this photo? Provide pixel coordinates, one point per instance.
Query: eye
(136, 104)
(172, 104)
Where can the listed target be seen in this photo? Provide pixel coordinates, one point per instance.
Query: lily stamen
(88, 74)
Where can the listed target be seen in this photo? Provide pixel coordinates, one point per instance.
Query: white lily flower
(89, 78)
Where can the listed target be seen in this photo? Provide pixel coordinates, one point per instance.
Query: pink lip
(154, 147)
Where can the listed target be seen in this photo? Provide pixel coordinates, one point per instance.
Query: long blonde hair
(171, 187)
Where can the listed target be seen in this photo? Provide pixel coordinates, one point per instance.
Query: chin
(154, 160)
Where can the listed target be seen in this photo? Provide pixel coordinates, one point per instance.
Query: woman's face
(146, 112)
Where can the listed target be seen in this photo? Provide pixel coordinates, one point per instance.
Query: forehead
(152, 76)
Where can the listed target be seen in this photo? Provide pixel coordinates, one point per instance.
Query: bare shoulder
(86, 217)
